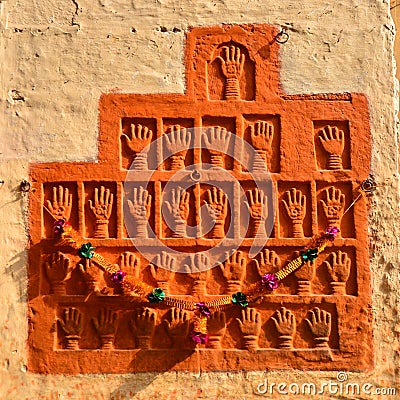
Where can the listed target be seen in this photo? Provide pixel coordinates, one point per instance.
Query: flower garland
(203, 310)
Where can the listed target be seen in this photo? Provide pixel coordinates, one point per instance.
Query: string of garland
(268, 282)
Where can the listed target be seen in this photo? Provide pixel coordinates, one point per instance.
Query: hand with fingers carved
(61, 204)
(179, 210)
(250, 327)
(332, 140)
(216, 325)
(285, 323)
(320, 327)
(305, 275)
(162, 271)
(258, 209)
(130, 263)
(177, 141)
(141, 138)
(143, 324)
(198, 270)
(339, 271)
(101, 210)
(91, 274)
(334, 205)
(234, 271)
(296, 210)
(268, 262)
(216, 141)
(139, 209)
(217, 207)
(71, 324)
(58, 269)
(106, 326)
(232, 65)
(261, 135)
(178, 326)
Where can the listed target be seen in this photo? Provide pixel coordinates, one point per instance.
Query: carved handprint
(334, 206)
(332, 140)
(258, 209)
(177, 142)
(61, 204)
(106, 326)
(198, 270)
(178, 327)
(143, 323)
(296, 210)
(139, 209)
(339, 271)
(285, 323)
(141, 138)
(217, 207)
(268, 262)
(305, 275)
(261, 135)
(58, 269)
(320, 326)
(234, 271)
(92, 275)
(217, 143)
(216, 329)
(161, 272)
(130, 263)
(250, 327)
(101, 210)
(232, 67)
(179, 210)
(71, 324)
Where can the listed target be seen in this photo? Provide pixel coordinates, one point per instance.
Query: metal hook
(368, 185)
(25, 186)
(282, 37)
(195, 175)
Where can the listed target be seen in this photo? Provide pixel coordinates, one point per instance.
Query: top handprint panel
(231, 73)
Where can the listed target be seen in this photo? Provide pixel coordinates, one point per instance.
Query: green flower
(156, 296)
(309, 255)
(86, 250)
(240, 298)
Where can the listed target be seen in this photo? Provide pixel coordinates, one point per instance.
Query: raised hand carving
(285, 323)
(216, 329)
(129, 263)
(217, 143)
(178, 327)
(258, 209)
(320, 327)
(143, 323)
(305, 275)
(232, 67)
(217, 207)
(234, 271)
(334, 206)
(179, 210)
(332, 140)
(296, 210)
(162, 271)
(139, 209)
(261, 135)
(176, 142)
(250, 327)
(101, 210)
(106, 326)
(141, 138)
(268, 262)
(92, 275)
(71, 324)
(58, 269)
(61, 204)
(198, 270)
(339, 271)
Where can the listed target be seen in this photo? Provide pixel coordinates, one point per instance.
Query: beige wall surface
(57, 57)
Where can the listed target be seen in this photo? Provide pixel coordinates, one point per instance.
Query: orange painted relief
(317, 150)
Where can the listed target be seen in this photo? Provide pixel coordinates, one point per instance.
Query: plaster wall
(56, 60)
